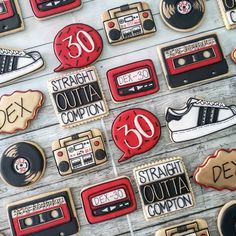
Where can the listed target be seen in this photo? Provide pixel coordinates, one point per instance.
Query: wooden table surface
(38, 35)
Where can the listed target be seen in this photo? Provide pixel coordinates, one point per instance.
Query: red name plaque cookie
(108, 200)
(135, 131)
(77, 46)
(134, 80)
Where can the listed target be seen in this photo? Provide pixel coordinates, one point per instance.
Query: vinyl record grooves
(22, 164)
(182, 15)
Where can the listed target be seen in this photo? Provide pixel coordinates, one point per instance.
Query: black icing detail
(100, 154)
(64, 166)
(148, 24)
(170, 116)
(35, 164)
(52, 4)
(114, 34)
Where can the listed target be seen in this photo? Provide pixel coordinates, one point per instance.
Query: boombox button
(114, 34)
(148, 24)
(63, 166)
(60, 154)
(145, 14)
(96, 143)
(111, 24)
(100, 154)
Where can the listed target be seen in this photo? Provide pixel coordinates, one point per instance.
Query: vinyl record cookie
(182, 15)
(22, 164)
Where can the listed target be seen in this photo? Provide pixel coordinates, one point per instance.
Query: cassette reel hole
(54, 214)
(206, 54)
(28, 221)
(181, 61)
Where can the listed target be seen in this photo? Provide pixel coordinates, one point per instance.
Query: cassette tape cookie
(128, 22)
(79, 152)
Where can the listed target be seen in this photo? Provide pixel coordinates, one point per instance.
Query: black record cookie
(226, 219)
(22, 164)
(182, 15)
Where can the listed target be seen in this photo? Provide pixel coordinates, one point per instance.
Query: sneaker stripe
(2, 64)
(215, 116)
(202, 116)
(15, 62)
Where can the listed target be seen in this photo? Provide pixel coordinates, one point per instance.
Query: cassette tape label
(164, 188)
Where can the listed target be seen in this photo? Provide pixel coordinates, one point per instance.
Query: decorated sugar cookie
(233, 55)
(18, 109)
(77, 97)
(133, 80)
(15, 64)
(182, 15)
(48, 214)
(11, 19)
(79, 152)
(49, 8)
(135, 131)
(22, 164)
(164, 187)
(195, 60)
(190, 228)
(218, 171)
(226, 219)
(77, 46)
(199, 118)
(108, 200)
(128, 22)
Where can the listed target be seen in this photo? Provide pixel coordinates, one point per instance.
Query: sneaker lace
(11, 52)
(209, 103)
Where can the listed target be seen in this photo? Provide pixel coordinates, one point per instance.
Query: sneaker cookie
(79, 152)
(226, 219)
(128, 22)
(18, 109)
(133, 80)
(135, 131)
(48, 214)
(164, 187)
(196, 227)
(108, 200)
(11, 19)
(218, 171)
(182, 15)
(22, 164)
(77, 97)
(199, 118)
(77, 46)
(192, 61)
(48, 8)
(15, 64)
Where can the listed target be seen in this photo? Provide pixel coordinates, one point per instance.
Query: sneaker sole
(197, 132)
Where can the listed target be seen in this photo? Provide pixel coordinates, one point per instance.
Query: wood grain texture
(38, 35)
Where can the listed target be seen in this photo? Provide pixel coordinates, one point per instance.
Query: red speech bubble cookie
(77, 46)
(135, 131)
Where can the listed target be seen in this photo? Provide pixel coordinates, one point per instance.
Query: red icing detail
(77, 46)
(116, 89)
(96, 143)
(89, 193)
(111, 24)
(9, 11)
(60, 154)
(145, 14)
(35, 5)
(135, 131)
(233, 55)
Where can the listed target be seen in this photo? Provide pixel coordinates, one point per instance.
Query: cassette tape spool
(79, 152)
(128, 22)
(50, 214)
(182, 15)
(22, 164)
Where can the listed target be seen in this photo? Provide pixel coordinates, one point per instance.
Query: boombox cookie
(218, 171)
(128, 22)
(164, 187)
(49, 214)
(233, 55)
(108, 200)
(135, 131)
(228, 12)
(77, 97)
(15, 64)
(197, 227)
(10, 17)
(77, 46)
(22, 164)
(18, 109)
(79, 152)
(182, 15)
(134, 80)
(199, 118)
(226, 219)
(195, 60)
(48, 8)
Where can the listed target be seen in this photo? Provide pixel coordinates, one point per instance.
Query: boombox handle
(137, 6)
(87, 134)
(183, 228)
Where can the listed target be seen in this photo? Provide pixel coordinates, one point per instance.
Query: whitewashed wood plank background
(38, 35)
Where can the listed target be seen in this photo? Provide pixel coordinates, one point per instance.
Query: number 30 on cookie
(135, 131)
